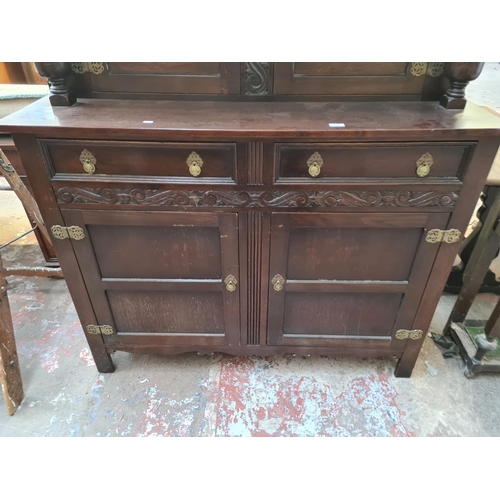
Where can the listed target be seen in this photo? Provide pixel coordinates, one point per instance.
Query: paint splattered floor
(188, 395)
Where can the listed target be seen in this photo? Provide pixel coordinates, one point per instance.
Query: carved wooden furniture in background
(229, 207)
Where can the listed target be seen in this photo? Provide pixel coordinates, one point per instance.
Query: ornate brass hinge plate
(278, 282)
(432, 69)
(88, 67)
(62, 233)
(100, 330)
(424, 164)
(88, 161)
(409, 334)
(445, 236)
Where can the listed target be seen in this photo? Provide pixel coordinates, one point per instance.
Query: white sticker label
(336, 125)
(148, 121)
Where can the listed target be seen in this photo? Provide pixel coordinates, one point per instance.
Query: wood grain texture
(98, 118)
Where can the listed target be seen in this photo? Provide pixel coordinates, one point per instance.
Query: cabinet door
(168, 78)
(348, 79)
(161, 278)
(347, 280)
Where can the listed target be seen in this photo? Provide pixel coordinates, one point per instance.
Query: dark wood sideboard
(256, 208)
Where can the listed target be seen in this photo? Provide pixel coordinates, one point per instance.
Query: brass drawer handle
(88, 161)
(315, 163)
(424, 164)
(194, 163)
(278, 282)
(230, 283)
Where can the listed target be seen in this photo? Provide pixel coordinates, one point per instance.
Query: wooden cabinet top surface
(103, 118)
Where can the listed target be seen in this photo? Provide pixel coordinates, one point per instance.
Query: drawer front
(322, 163)
(184, 162)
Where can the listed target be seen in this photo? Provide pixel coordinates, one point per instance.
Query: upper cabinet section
(160, 77)
(353, 79)
(261, 81)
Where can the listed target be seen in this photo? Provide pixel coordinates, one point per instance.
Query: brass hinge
(62, 233)
(409, 334)
(88, 67)
(100, 329)
(445, 236)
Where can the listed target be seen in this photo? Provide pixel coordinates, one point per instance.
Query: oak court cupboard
(256, 208)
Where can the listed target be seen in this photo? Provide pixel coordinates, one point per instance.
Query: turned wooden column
(459, 74)
(57, 74)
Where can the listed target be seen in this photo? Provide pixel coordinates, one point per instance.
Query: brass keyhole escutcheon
(230, 283)
(424, 164)
(278, 282)
(88, 161)
(315, 163)
(194, 163)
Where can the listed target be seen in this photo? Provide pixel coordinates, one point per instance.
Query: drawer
(177, 162)
(321, 163)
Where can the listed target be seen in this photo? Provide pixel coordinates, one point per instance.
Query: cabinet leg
(102, 358)
(103, 361)
(405, 365)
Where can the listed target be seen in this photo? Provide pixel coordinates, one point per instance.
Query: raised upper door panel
(163, 77)
(352, 79)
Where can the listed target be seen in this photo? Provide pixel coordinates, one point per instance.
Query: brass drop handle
(194, 163)
(230, 283)
(278, 282)
(315, 162)
(88, 161)
(424, 164)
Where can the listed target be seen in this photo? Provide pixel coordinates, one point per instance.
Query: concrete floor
(188, 395)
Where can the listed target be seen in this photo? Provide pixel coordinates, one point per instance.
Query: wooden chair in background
(477, 338)
(10, 374)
